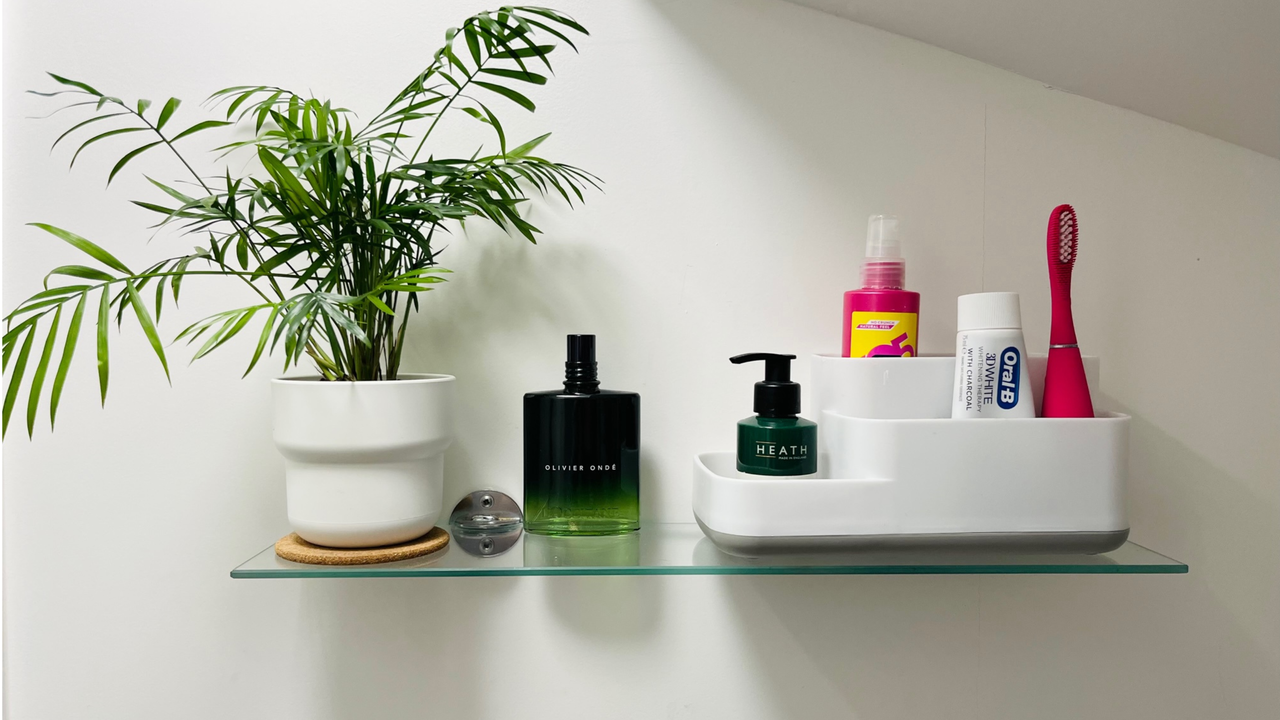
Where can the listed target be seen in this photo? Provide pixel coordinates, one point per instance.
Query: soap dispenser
(776, 441)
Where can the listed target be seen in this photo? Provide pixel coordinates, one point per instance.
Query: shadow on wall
(859, 138)
(1068, 646)
(1183, 504)
(970, 647)
(404, 648)
(878, 647)
(505, 291)
(413, 648)
(606, 610)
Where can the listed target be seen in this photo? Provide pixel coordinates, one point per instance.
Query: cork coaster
(292, 547)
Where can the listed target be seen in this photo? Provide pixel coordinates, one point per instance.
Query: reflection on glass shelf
(607, 551)
(682, 549)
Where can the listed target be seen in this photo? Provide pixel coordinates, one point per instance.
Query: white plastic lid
(988, 311)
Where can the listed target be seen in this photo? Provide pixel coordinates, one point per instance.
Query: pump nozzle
(883, 266)
(776, 396)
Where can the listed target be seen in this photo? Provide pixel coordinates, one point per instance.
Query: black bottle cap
(580, 365)
(582, 348)
(777, 396)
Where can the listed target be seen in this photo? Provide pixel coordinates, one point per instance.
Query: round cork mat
(292, 547)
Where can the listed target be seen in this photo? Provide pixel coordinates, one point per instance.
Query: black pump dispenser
(777, 396)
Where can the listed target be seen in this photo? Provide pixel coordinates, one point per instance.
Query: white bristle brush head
(1068, 235)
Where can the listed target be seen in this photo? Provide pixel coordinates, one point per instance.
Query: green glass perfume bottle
(581, 453)
(776, 441)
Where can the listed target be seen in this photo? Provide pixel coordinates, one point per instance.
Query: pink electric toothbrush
(1066, 392)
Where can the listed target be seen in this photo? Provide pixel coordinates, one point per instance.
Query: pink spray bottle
(882, 319)
(1066, 391)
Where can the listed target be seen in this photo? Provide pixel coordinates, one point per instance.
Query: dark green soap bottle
(581, 453)
(776, 441)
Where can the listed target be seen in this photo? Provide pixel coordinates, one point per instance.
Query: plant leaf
(29, 307)
(159, 298)
(15, 379)
(280, 258)
(56, 292)
(148, 325)
(508, 93)
(527, 148)
(523, 52)
(497, 127)
(167, 111)
(75, 84)
(68, 349)
(85, 246)
(473, 43)
(143, 105)
(262, 341)
(12, 335)
(233, 322)
(529, 77)
(82, 123)
(131, 155)
(79, 271)
(42, 367)
(186, 200)
(198, 127)
(104, 324)
(103, 136)
(242, 252)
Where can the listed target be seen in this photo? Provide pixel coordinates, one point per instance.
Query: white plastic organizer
(896, 471)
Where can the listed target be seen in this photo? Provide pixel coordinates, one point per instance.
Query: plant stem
(230, 218)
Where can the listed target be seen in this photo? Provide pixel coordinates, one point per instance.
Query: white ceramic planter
(364, 461)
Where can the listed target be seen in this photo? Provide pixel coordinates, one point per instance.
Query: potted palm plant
(336, 232)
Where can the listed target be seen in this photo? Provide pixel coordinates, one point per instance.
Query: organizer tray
(895, 472)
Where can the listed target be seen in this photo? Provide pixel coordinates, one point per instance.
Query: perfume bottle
(581, 453)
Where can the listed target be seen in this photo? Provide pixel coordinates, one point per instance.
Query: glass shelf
(682, 549)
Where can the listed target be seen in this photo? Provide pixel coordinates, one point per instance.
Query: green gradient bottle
(776, 441)
(581, 453)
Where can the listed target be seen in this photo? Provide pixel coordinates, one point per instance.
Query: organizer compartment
(905, 388)
(1042, 475)
(896, 471)
(883, 387)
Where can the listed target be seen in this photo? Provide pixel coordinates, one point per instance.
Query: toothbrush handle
(1066, 391)
(1062, 329)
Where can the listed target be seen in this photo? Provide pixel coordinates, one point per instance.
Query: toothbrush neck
(1063, 329)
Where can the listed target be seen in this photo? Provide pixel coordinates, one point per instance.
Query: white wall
(744, 143)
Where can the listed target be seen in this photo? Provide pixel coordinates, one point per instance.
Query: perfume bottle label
(882, 334)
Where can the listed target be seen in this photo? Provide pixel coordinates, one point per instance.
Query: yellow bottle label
(878, 334)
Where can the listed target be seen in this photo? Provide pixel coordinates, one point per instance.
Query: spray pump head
(883, 266)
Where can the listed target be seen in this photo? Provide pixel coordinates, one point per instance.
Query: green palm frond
(334, 233)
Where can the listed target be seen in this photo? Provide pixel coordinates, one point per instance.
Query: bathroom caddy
(895, 471)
